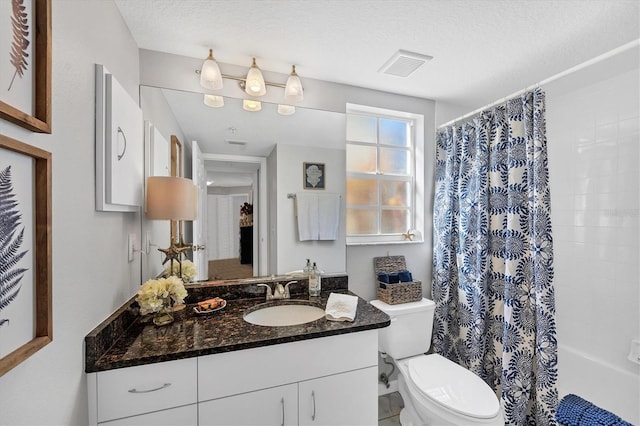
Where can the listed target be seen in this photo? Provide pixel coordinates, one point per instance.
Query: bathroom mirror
(230, 138)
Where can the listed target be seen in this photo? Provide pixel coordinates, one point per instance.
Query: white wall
(291, 254)
(91, 274)
(593, 143)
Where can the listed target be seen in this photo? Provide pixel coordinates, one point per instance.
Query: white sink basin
(283, 315)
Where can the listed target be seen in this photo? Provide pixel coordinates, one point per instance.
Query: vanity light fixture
(253, 84)
(286, 109)
(210, 75)
(214, 101)
(293, 91)
(250, 105)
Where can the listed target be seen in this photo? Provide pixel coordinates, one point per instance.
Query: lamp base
(174, 252)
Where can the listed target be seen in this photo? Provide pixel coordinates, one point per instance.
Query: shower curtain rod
(564, 73)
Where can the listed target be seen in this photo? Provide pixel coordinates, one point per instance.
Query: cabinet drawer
(129, 391)
(247, 370)
(183, 416)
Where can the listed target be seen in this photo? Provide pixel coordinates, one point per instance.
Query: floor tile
(389, 407)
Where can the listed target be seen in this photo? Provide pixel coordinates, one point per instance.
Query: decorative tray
(200, 310)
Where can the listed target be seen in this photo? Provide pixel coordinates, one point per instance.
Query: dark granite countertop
(127, 339)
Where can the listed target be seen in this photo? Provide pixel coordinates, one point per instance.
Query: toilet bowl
(435, 390)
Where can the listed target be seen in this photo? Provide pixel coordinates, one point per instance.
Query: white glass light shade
(213, 101)
(171, 198)
(286, 109)
(250, 105)
(210, 75)
(255, 82)
(293, 91)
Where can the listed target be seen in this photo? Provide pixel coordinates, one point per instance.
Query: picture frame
(37, 92)
(313, 175)
(26, 321)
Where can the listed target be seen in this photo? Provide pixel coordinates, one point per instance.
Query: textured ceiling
(482, 50)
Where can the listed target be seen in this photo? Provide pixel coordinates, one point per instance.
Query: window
(381, 175)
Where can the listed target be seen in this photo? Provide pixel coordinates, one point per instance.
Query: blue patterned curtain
(493, 256)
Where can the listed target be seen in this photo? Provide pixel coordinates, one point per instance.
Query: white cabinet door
(183, 416)
(349, 398)
(273, 406)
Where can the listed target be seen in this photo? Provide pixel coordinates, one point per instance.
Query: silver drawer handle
(313, 398)
(134, 390)
(282, 404)
(124, 137)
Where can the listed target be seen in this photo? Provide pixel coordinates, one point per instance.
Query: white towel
(328, 216)
(307, 212)
(341, 307)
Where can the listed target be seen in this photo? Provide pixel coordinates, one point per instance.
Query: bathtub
(606, 385)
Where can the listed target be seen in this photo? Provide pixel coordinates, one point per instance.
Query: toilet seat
(452, 387)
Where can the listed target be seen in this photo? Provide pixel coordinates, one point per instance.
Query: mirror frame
(176, 170)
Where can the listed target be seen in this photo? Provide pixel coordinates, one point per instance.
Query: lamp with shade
(171, 198)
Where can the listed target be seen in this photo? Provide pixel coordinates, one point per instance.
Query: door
(199, 176)
(349, 398)
(273, 406)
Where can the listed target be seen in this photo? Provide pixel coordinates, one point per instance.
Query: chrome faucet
(279, 292)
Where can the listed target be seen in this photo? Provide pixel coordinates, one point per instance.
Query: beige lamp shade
(171, 198)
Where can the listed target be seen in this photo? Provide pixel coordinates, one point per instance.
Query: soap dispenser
(307, 269)
(314, 281)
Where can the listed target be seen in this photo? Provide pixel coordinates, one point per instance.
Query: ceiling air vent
(403, 63)
(236, 142)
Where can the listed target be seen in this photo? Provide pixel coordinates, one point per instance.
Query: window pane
(395, 221)
(394, 161)
(394, 132)
(362, 192)
(361, 158)
(362, 221)
(362, 128)
(395, 193)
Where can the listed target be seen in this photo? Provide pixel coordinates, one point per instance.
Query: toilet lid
(453, 387)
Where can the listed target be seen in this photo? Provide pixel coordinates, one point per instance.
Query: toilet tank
(410, 331)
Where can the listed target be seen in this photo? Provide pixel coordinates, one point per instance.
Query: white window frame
(417, 178)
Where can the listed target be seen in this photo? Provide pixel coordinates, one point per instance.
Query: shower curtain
(493, 256)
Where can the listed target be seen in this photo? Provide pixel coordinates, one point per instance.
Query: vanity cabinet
(338, 373)
(321, 381)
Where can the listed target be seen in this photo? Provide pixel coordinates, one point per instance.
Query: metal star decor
(173, 252)
(408, 235)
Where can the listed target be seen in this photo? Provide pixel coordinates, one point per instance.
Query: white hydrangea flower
(188, 270)
(157, 294)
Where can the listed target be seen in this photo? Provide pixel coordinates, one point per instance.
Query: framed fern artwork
(25, 63)
(25, 251)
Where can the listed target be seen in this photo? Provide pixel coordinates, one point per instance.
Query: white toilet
(435, 390)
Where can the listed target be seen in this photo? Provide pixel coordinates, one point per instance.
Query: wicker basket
(402, 292)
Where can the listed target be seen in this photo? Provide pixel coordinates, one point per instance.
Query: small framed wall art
(313, 175)
(25, 66)
(26, 323)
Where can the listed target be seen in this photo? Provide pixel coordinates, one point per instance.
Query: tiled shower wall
(593, 140)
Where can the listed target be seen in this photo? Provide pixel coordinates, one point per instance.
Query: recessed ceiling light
(403, 63)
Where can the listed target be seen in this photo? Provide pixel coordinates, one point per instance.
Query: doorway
(237, 241)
